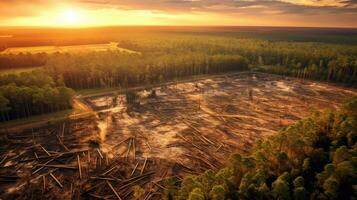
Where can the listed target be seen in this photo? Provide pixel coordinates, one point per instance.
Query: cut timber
(3, 160)
(115, 192)
(103, 178)
(136, 166)
(160, 186)
(202, 160)
(58, 166)
(88, 154)
(133, 180)
(79, 166)
(186, 140)
(57, 181)
(201, 136)
(63, 127)
(44, 182)
(45, 150)
(39, 169)
(134, 148)
(107, 172)
(54, 156)
(100, 197)
(121, 142)
(100, 154)
(61, 143)
(142, 169)
(147, 143)
(147, 195)
(129, 146)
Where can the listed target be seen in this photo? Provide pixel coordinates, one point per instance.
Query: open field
(17, 70)
(112, 46)
(185, 128)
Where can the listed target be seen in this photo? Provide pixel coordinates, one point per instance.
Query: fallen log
(103, 178)
(100, 197)
(129, 146)
(55, 155)
(3, 160)
(107, 172)
(132, 172)
(121, 142)
(143, 168)
(100, 154)
(115, 192)
(57, 181)
(44, 182)
(202, 160)
(79, 167)
(133, 180)
(58, 166)
(45, 150)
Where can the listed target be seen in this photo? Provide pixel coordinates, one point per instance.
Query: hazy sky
(318, 13)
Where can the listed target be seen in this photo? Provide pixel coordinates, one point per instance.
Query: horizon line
(178, 26)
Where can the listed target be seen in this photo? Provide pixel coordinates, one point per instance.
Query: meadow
(73, 49)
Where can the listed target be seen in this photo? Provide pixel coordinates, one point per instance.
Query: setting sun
(71, 16)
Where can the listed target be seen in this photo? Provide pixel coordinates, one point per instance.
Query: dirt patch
(186, 128)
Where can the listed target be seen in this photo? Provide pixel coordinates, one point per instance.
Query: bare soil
(184, 129)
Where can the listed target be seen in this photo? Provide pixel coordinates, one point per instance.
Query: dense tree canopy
(31, 93)
(175, 56)
(13, 61)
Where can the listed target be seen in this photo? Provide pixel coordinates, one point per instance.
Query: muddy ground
(179, 129)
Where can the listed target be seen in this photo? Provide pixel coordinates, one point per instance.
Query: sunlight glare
(71, 16)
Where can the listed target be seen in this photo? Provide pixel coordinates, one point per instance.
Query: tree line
(22, 60)
(171, 56)
(314, 159)
(31, 93)
(116, 69)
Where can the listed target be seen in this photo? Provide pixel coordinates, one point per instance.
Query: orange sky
(84, 13)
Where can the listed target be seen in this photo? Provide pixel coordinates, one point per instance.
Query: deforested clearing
(145, 136)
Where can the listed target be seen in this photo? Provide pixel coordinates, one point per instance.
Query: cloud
(236, 6)
(21, 8)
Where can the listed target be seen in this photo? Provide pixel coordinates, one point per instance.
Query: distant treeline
(113, 69)
(314, 159)
(175, 56)
(32, 93)
(318, 61)
(22, 60)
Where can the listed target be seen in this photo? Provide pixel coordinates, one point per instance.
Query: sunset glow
(71, 16)
(76, 13)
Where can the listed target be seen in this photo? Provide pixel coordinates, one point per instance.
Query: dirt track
(185, 129)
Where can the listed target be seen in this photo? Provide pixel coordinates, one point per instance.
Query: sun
(71, 16)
